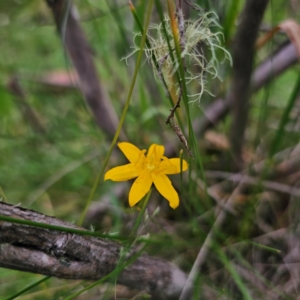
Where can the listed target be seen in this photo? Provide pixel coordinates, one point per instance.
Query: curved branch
(73, 256)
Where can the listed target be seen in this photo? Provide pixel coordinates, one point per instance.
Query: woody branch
(73, 256)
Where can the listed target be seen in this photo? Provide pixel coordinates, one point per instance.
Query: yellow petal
(156, 151)
(122, 173)
(166, 189)
(130, 151)
(140, 188)
(172, 166)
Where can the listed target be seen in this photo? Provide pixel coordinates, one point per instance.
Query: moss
(195, 33)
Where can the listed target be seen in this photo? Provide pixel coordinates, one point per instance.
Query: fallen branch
(73, 256)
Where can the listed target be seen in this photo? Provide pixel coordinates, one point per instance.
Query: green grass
(49, 173)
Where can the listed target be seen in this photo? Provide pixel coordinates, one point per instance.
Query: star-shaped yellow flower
(150, 168)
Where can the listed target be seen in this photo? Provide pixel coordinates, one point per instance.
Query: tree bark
(73, 256)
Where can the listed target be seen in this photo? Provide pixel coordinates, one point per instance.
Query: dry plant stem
(274, 66)
(191, 5)
(170, 120)
(180, 135)
(180, 20)
(211, 192)
(172, 111)
(81, 55)
(286, 168)
(249, 180)
(72, 256)
(29, 114)
(243, 54)
(160, 75)
(282, 170)
(188, 288)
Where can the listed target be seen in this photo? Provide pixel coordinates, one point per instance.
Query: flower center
(151, 163)
(150, 166)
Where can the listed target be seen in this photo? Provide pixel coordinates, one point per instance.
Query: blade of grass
(257, 273)
(60, 228)
(230, 18)
(181, 80)
(153, 57)
(28, 288)
(113, 273)
(284, 119)
(124, 252)
(114, 10)
(263, 114)
(122, 119)
(235, 275)
(142, 212)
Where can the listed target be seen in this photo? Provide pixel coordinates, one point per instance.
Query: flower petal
(140, 188)
(122, 173)
(172, 166)
(166, 189)
(157, 151)
(130, 151)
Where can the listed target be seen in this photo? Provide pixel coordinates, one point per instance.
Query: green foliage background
(30, 49)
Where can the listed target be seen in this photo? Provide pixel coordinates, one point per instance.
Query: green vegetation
(54, 161)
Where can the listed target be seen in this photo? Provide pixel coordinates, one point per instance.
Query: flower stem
(142, 212)
(137, 66)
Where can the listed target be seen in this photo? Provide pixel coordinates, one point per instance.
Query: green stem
(114, 272)
(60, 228)
(139, 218)
(28, 288)
(181, 80)
(137, 66)
(284, 119)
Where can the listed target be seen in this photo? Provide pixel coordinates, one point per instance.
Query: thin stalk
(128, 246)
(161, 16)
(284, 119)
(114, 272)
(60, 228)
(142, 212)
(181, 80)
(28, 288)
(124, 112)
(235, 275)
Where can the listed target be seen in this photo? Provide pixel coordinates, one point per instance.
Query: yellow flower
(150, 168)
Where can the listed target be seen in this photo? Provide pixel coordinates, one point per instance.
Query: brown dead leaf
(216, 140)
(60, 78)
(290, 27)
